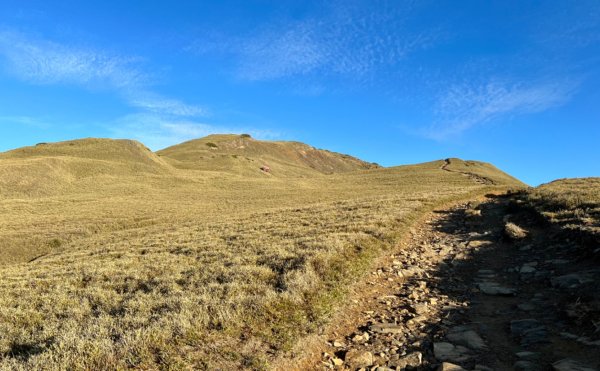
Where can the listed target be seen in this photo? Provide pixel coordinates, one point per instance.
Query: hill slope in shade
(241, 154)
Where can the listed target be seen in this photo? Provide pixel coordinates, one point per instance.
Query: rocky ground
(483, 286)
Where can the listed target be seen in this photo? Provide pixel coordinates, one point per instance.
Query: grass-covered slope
(244, 155)
(114, 150)
(481, 172)
(196, 269)
(571, 203)
(55, 168)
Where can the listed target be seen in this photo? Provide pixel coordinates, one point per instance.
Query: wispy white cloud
(464, 106)
(158, 104)
(275, 54)
(158, 131)
(341, 40)
(25, 121)
(159, 122)
(45, 62)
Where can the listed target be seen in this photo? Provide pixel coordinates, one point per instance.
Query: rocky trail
(482, 286)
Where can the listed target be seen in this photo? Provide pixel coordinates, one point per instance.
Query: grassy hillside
(572, 203)
(480, 172)
(54, 168)
(154, 265)
(244, 155)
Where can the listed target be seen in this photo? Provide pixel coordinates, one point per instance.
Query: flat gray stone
(527, 269)
(492, 288)
(568, 364)
(530, 331)
(387, 328)
(449, 352)
(466, 337)
(571, 281)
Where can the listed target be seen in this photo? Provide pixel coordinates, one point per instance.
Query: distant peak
(239, 152)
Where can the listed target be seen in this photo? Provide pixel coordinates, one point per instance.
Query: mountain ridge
(61, 167)
(243, 154)
(105, 234)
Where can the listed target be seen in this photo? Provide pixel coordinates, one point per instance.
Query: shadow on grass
(507, 299)
(24, 351)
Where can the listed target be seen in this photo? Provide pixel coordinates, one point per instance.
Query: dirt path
(476, 177)
(463, 295)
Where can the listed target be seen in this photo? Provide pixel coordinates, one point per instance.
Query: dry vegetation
(571, 203)
(242, 155)
(129, 261)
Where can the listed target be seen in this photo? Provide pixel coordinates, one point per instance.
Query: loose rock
(411, 360)
(492, 288)
(449, 352)
(387, 328)
(450, 367)
(358, 358)
(467, 337)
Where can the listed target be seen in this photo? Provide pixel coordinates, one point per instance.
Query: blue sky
(515, 83)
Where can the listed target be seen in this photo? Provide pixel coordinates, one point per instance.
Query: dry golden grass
(154, 267)
(481, 172)
(243, 155)
(572, 203)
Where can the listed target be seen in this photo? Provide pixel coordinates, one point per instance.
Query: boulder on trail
(514, 232)
(356, 359)
(465, 336)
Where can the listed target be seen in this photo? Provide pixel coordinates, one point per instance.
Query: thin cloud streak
(158, 104)
(158, 132)
(46, 62)
(465, 106)
(342, 41)
(296, 51)
(161, 122)
(24, 121)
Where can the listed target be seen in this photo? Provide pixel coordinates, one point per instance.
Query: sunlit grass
(199, 269)
(573, 203)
